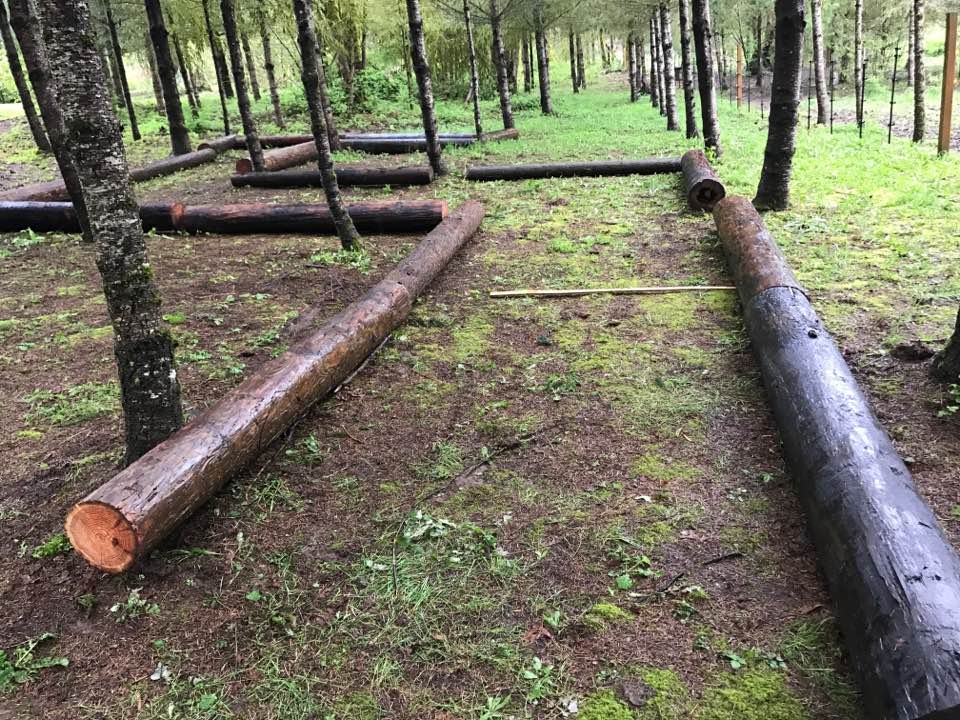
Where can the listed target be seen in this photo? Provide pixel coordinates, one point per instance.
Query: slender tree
(572, 42)
(919, 76)
(654, 84)
(179, 137)
(26, 27)
(333, 136)
(669, 85)
(503, 86)
(946, 365)
(251, 66)
(686, 69)
(121, 71)
(474, 75)
(641, 65)
(661, 65)
(632, 66)
(581, 71)
(270, 69)
(910, 46)
(703, 49)
(307, 40)
(23, 88)
(819, 61)
(525, 58)
(219, 59)
(543, 60)
(150, 391)
(217, 68)
(228, 13)
(154, 77)
(857, 58)
(192, 98)
(773, 192)
(421, 67)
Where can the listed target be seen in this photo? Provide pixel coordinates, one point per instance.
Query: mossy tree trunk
(946, 365)
(150, 390)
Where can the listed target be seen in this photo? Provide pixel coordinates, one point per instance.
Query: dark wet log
(893, 576)
(251, 218)
(56, 190)
(346, 176)
(599, 168)
(224, 144)
(283, 157)
(127, 516)
(704, 189)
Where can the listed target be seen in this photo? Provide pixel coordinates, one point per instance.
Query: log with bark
(127, 516)
(598, 168)
(347, 176)
(251, 218)
(893, 576)
(704, 189)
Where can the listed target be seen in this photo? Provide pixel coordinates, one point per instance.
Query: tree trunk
(661, 64)
(819, 61)
(773, 192)
(154, 77)
(251, 67)
(329, 121)
(581, 72)
(703, 49)
(503, 89)
(474, 75)
(525, 57)
(111, 71)
(240, 82)
(571, 41)
(669, 82)
(179, 137)
(857, 59)
(217, 69)
(919, 77)
(758, 52)
(23, 89)
(269, 68)
(192, 99)
(543, 62)
(654, 84)
(220, 60)
(642, 65)
(946, 365)
(149, 389)
(26, 27)
(418, 51)
(121, 71)
(632, 66)
(721, 64)
(310, 74)
(686, 68)
(512, 60)
(910, 47)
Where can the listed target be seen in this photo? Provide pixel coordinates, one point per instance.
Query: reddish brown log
(356, 176)
(371, 217)
(223, 144)
(704, 189)
(126, 517)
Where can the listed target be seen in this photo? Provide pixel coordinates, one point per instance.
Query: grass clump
(602, 615)
(23, 665)
(758, 694)
(56, 545)
(74, 405)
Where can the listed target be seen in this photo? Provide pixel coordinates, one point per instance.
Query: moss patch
(751, 695)
(604, 705)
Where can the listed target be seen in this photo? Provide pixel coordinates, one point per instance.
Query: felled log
(704, 189)
(893, 576)
(223, 144)
(126, 517)
(597, 168)
(282, 157)
(347, 176)
(371, 217)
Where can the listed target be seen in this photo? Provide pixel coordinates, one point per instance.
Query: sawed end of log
(130, 514)
(704, 189)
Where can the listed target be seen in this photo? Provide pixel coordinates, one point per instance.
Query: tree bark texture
(503, 89)
(121, 71)
(703, 49)
(654, 83)
(581, 71)
(666, 30)
(919, 76)
(154, 76)
(127, 516)
(333, 137)
(686, 70)
(421, 67)
(543, 61)
(661, 65)
(632, 67)
(228, 13)
(819, 62)
(704, 189)
(192, 98)
(910, 45)
(773, 192)
(572, 50)
(149, 388)
(218, 69)
(946, 365)
(251, 66)
(179, 137)
(310, 75)
(20, 80)
(26, 27)
(270, 70)
(641, 65)
(598, 168)
(474, 74)
(893, 576)
(858, 58)
(525, 58)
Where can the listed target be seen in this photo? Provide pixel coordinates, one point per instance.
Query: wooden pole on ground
(578, 292)
(126, 517)
(949, 80)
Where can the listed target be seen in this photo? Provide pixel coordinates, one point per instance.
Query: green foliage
(604, 705)
(24, 665)
(355, 259)
(56, 545)
(133, 607)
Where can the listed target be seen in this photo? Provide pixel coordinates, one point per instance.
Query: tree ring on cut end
(102, 535)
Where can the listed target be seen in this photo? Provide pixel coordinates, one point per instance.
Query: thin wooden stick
(575, 292)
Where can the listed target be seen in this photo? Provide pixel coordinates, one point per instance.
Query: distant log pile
(126, 517)
(370, 217)
(893, 575)
(347, 176)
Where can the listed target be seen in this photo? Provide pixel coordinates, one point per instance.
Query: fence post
(949, 80)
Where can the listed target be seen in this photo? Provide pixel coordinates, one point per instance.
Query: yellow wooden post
(739, 75)
(949, 80)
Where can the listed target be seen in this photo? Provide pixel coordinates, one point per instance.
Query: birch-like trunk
(819, 62)
(686, 69)
(525, 58)
(543, 61)
(310, 62)
(654, 83)
(149, 389)
(669, 84)
(773, 191)
(857, 58)
(919, 76)
(632, 66)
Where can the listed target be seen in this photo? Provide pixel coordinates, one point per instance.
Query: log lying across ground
(238, 142)
(369, 217)
(894, 577)
(130, 514)
(294, 155)
(347, 176)
(597, 168)
(704, 189)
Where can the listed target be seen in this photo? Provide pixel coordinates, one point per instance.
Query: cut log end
(102, 535)
(706, 194)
